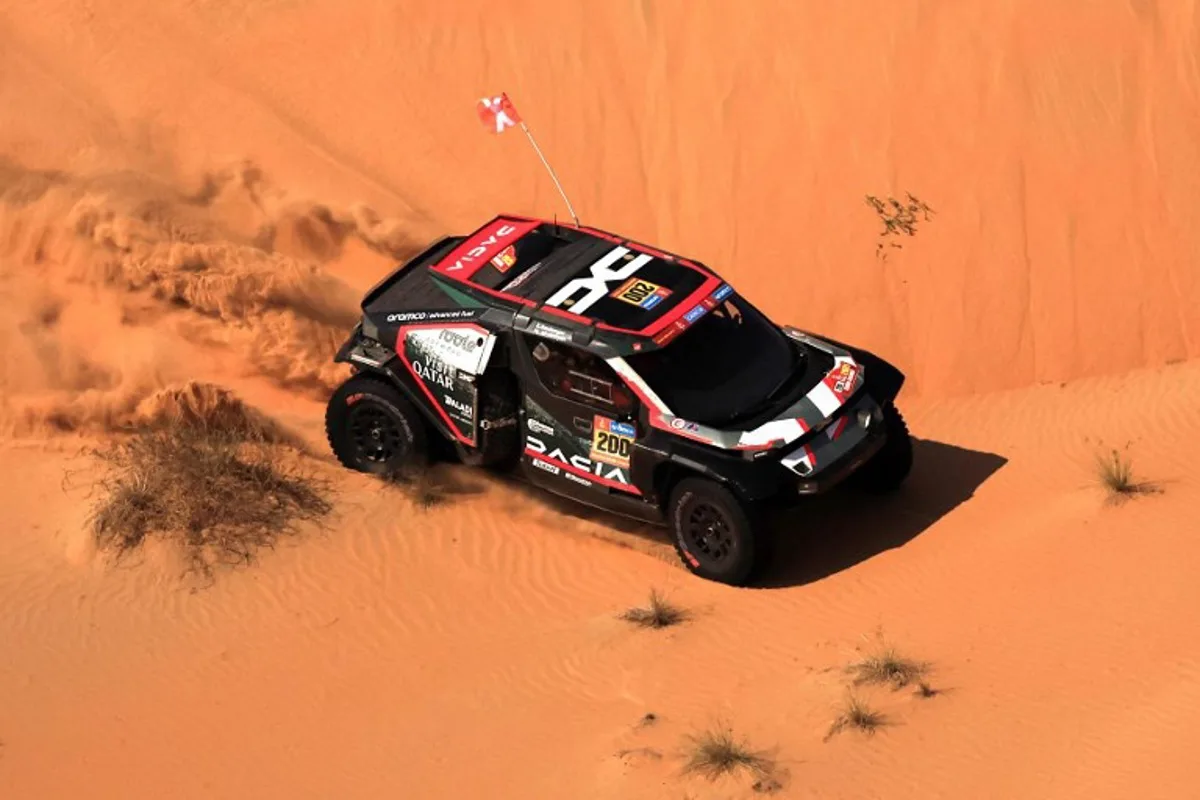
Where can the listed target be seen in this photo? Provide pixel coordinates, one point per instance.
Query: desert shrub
(220, 492)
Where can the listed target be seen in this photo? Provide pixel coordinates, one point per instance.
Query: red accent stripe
(812, 459)
(624, 487)
(524, 225)
(480, 241)
(676, 314)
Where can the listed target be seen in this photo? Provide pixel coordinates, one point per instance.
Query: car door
(580, 421)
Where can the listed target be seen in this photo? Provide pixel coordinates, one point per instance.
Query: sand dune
(193, 197)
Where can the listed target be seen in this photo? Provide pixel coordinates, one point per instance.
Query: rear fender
(372, 358)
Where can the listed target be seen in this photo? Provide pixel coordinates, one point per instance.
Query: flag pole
(549, 169)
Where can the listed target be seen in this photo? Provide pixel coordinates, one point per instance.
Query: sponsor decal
(537, 426)
(596, 283)
(605, 472)
(418, 316)
(550, 332)
(643, 294)
(461, 341)
(722, 293)
(612, 441)
(442, 365)
(464, 348)
(695, 314)
(464, 410)
(506, 258)
(571, 476)
(842, 380)
(480, 251)
(547, 466)
(434, 370)
(524, 276)
(684, 425)
(624, 429)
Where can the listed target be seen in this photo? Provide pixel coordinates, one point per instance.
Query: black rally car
(615, 374)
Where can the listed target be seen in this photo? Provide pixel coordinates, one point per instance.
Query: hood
(811, 412)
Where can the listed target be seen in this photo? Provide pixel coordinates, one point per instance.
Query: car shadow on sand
(830, 533)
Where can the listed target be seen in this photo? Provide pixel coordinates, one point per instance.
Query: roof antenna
(500, 113)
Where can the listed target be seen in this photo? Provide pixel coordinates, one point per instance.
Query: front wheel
(714, 535)
(372, 428)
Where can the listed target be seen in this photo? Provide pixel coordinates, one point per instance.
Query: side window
(580, 377)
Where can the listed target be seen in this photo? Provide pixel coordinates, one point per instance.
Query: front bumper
(832, 453)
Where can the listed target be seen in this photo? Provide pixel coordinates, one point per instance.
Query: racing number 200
(638, 291)
(613, 446)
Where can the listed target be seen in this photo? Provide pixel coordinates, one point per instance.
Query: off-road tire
(373, 428)
(888, 468)
(715, 535)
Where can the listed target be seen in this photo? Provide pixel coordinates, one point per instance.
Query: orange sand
(202, 190)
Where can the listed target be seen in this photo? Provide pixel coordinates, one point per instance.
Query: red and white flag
(497, 113)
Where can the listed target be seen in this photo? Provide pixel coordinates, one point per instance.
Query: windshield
(726, 366)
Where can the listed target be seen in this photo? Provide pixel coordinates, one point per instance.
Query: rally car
(615, 374)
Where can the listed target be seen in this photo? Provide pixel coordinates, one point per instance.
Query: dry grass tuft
(857, 715)
(887, 666)
(1115, 473)
(716, 752)
(221, 493)
(660, 613)
(897, 218)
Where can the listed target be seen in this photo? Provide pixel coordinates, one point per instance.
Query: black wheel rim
(709, 533)
(376, 435)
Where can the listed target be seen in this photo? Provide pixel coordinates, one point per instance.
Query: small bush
(897, 218)
(857, 715)
(887, 666)
(221, 495)
(660, 613)
(716, 752)
(1115, 473)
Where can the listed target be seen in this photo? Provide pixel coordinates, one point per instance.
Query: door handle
(582, 425)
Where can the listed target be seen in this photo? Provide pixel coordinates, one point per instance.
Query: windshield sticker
(612, 441)
(641, 293)
(722, 293)
(695, 314)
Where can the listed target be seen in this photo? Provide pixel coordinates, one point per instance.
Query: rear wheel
(888, 468)
(715, 536)
(372, 428)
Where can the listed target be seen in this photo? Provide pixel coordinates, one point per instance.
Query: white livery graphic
(464, 347)
(600, 281)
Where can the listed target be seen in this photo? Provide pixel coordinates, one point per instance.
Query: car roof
(582, 275)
